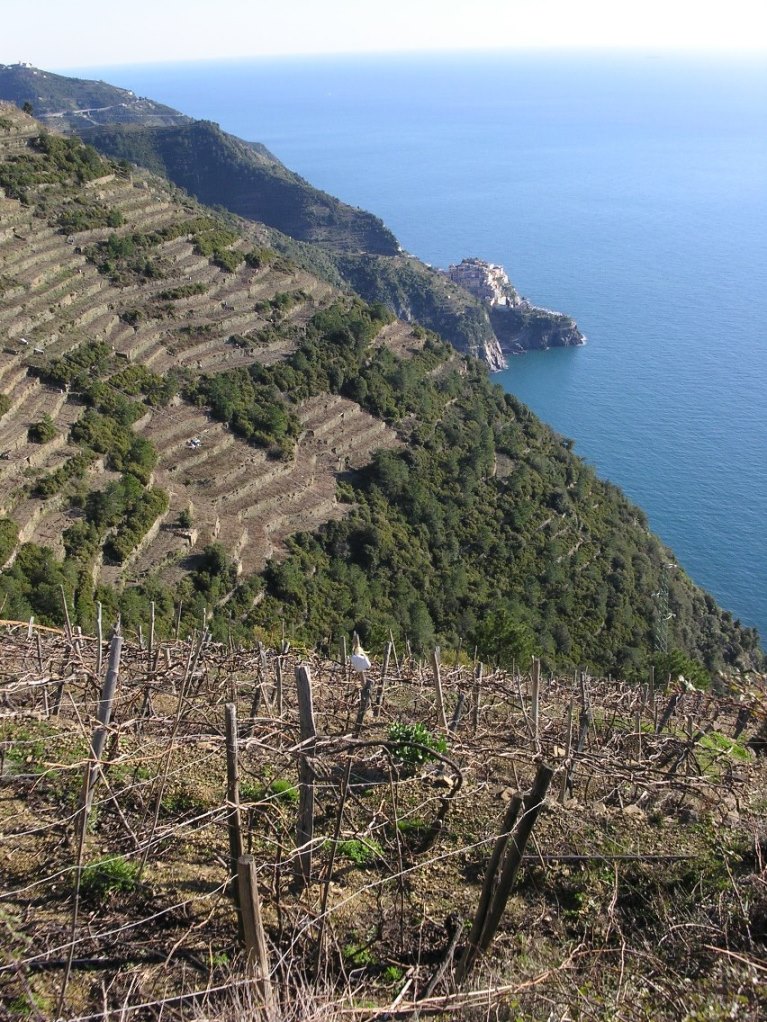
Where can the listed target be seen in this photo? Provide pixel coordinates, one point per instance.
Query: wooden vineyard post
(99, 737)
(455, 723)
(67, 622)
(233, 801)
(278, 684)
(478, 672)
(535, 702)
(568, 754)
(305, 826)
(99, 640)
(438, 688)
(505, 861)
(491, 878)
(150, 647)
(253, 935)
(382, 681)
(344, 659)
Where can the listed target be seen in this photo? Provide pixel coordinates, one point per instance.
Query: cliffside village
(486, 281)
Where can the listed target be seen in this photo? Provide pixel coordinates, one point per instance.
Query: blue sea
(629, 192)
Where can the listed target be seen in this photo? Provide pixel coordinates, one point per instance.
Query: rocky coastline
(527, 327)
(518, 325)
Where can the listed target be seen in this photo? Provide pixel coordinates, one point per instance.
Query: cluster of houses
(486, 281)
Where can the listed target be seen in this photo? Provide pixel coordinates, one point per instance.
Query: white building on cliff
(486, 281)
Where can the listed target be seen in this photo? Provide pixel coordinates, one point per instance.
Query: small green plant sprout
(105, 877)
(414, 744)
(280, 790)
(358, 954)
(361, 852)
(393, 974)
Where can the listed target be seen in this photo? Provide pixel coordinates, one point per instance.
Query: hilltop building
(486, 281)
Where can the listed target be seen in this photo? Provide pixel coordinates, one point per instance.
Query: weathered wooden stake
(344, 659)
(382, 681)
(99, 641)
(151, 634)
(568, 753)
(259, 689)
(305, 826)
(488, 886)
(478, 672)
(104, 713)
(531, 804)
(394, 652)
(233, 803)
(253, 930)
(668, 712)
(535, 703)
(455, 723)
(438, 688)
(278, 684)
(67, 622)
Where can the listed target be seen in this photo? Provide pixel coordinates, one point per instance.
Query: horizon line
(601, 50)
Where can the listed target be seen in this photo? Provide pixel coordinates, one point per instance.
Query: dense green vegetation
(488, 529)
(9, 534)
(84, 215)
(73, 469)
(331, 357)
(483, 529)
(256, 411)
(53, 160)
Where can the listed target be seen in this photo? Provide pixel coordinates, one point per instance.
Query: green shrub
(361, 852)
(184, 291)
(42, 432)
(138, 521)
(414, 744)
(72, 469)
(105, 877)
(258, 257)
(279, 790)
(9, 537)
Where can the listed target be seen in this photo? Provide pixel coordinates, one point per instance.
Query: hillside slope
(77, 103)
(191, 417)
(348, 246)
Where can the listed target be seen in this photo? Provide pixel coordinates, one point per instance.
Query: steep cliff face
(220, 169)
(525, 327)
(416, 293)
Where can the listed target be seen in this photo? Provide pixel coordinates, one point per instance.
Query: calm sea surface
(628, 192)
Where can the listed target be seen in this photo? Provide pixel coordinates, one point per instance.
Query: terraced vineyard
(172, 309)
(191, 420)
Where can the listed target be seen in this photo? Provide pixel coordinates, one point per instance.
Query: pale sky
(91, 33)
